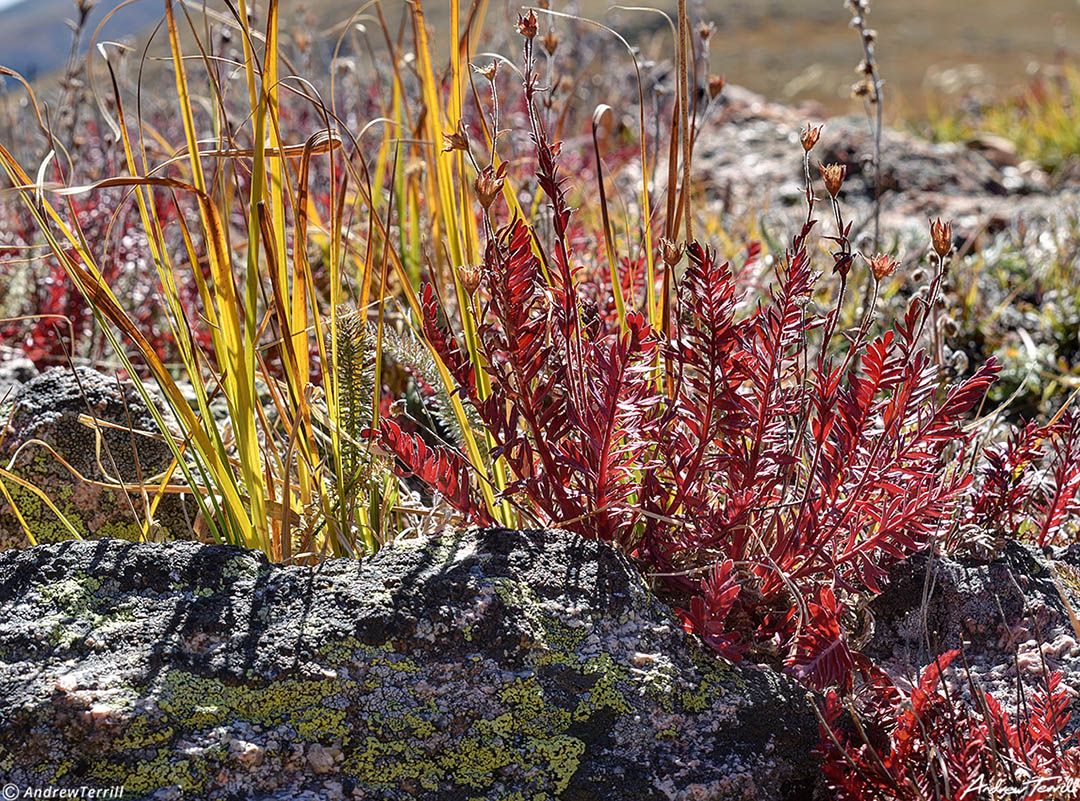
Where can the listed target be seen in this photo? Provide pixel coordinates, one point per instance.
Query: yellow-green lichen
(530, 735)
(714, 675)
(143, 776)
(555, 640)
(196, 702)
(143, 732)
(563, 757)
(605, 693)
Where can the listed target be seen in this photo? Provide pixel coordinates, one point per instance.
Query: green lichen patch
(195, 702)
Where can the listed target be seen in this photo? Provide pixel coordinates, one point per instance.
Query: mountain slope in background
(35, 41)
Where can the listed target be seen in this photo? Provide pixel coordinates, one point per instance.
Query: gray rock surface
(47, 409)
(1007, 615)
(483, 665)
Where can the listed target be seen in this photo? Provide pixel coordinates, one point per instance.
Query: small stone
(321, 759)
(250, 755)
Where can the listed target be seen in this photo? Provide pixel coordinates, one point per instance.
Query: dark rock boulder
(1013, 618)
(485, 665)
(47, 410)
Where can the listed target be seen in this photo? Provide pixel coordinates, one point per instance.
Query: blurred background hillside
(786, 49)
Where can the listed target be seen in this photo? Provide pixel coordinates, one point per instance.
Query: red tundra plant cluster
(763, 460)
(767, 465)
(923, 744)
(1028, 486)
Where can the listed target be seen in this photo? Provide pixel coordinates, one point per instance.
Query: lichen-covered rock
(47, 409)
(1011, 616)
(495, 664)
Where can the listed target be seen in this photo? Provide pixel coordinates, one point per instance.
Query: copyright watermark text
(12, 792)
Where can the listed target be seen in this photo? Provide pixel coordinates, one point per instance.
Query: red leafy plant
(1027, 487)
(926, 744)
(764, 461)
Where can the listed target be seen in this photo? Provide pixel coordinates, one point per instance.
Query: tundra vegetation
(446, 286)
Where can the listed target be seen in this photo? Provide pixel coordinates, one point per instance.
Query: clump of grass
(1042, 121)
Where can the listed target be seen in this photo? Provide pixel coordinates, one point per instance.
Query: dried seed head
(809, 137)
(489, 71)
(869, 35)
(550, 42)
(919, 275)
(706, 30)
(489, 185)
(526, 25)
(456, 140)
(882, 265)
(716, 85)
(949, 327)
(671, 252)
(470, 277)
(864, 89)
(941, 236)
(833, 175)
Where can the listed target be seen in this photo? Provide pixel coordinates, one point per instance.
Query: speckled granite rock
(1002, 613)
(47, 408)
(485, 665)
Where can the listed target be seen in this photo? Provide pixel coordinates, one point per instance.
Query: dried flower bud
(959, 362)
(919, 275)
(550, 42)
(489, 71)
(456, 140)
(470, 278)
(670, 251)
(809, 137)
(716, 85)
(941, 236)
(526, 25)
(833, 175)
(706, 30)
(489, 185)
(882, 266)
